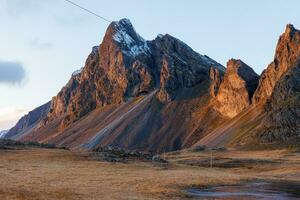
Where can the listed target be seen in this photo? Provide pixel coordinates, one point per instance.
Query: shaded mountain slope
(282, 121)
(2, 133)
(29, 121)
(142, 122)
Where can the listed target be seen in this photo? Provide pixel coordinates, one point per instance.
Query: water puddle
(252, 190)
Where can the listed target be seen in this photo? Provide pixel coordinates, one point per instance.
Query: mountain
(279, 90)
(273, 116)
(286, 55)
(282, 121)
(28, 122)
(161, 95)
(3, 133)
(134, 93)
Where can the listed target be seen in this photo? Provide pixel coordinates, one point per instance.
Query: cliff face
(237, 88)
(282, 122)
(273, 115)
(279, 91)
(179, 66)
(286, 55)
(117, 69)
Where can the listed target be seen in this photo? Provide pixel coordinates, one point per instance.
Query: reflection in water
(253, 190)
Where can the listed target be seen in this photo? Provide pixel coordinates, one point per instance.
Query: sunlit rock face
(237, 88)
(286, 55)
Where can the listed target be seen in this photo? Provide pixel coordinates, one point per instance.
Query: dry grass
(58, 174)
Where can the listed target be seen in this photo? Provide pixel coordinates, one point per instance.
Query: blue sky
(51, 39)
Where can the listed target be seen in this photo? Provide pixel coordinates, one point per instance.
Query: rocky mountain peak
(286, 55)
(125, 65)
(236, 66)
(237, 88)
(124, 69)
(125, 30)
(289, 30)
(123, 35)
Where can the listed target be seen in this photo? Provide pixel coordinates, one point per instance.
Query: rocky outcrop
(180, 66)
(286, 55)
(279, 90)
(237, 88)
(216, 77)
(282, 122)
(28, 121)
(274, 116)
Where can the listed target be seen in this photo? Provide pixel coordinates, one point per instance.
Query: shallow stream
(250, 190)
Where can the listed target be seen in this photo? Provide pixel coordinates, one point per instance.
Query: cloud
(38, 44)
(11, 73)
(19, 7)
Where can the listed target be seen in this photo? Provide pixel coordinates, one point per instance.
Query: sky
(42, 42)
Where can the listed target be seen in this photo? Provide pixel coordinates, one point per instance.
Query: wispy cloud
(36, 43)
(11, 73)
(17, 8)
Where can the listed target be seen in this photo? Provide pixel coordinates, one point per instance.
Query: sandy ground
(59, 174)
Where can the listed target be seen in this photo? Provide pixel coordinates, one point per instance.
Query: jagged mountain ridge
(273, 117)
(160, 95)
(129, 66)
(286, 54)
(119, 72)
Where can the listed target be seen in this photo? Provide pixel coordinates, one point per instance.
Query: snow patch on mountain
(138, 49)
(160, 35)
(77, 72)
(132, 42)
(3, 133)
(122, 37)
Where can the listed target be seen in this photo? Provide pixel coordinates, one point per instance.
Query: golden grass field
(46, 174)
